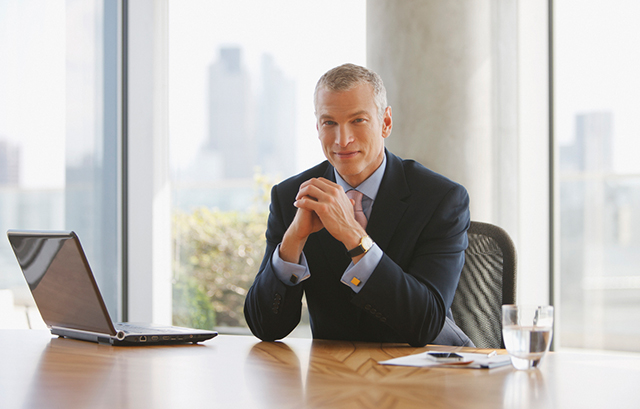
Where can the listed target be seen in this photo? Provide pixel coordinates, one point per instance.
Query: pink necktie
(357, 207)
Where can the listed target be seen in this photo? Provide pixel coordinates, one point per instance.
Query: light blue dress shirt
(292, 274)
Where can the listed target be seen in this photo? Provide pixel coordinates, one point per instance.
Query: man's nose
(344, 136)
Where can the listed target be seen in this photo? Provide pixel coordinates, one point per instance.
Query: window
(241, 81)
(597, 129)
(58, 133)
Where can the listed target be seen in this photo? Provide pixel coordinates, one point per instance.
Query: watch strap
(355, 252)
(363, 247)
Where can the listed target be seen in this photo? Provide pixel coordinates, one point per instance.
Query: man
(392, 281)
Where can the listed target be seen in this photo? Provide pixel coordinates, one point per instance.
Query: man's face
(351, 134)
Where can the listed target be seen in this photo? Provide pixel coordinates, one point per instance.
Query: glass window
(58, 132)
(241, 82)
(597, 129)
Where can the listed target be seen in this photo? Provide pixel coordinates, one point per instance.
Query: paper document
(469, 360)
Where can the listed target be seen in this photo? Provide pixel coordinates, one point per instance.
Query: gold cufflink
(355, 281)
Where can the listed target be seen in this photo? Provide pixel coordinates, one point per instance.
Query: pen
(492, 353)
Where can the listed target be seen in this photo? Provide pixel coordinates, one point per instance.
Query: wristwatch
(363, 247)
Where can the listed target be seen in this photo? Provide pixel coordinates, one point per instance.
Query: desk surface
(38, 371)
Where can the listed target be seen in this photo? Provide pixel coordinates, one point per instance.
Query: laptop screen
(61, 281)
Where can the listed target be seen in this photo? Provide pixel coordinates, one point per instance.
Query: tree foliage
(216, 257)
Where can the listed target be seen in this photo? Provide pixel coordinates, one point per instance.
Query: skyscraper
(276, 114)
(230, 115)
(9, 163)
(247, 131)
(592, 150)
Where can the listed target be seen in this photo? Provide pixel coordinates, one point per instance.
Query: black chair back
(488, 281)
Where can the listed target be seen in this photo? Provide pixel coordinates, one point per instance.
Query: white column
(467, 81)
(533, 153)
(149, 217)
(435, 60)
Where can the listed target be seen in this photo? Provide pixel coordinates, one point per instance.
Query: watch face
(367, 243)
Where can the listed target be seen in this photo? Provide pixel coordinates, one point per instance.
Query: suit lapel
(329, 173)
(390, 205)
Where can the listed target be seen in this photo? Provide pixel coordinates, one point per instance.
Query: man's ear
(387, 122)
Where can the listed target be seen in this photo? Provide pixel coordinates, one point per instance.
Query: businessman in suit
(376, 243)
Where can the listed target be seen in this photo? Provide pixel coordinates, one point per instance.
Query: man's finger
(322, 184)
(313, 191)
(318, 187)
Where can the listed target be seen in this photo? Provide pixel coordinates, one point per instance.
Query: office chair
(488, 281)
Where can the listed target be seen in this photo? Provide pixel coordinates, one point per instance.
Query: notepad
(469, 360)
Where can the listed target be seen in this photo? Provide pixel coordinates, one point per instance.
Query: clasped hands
(321, 204)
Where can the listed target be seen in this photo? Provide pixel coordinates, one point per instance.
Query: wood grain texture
(39, 371)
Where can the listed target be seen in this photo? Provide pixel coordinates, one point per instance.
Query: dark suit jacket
(419, 219)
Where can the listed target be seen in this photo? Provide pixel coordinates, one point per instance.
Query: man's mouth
(346, 155)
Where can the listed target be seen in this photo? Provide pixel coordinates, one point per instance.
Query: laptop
(65, 291)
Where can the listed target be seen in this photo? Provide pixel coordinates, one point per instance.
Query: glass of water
(527, 332)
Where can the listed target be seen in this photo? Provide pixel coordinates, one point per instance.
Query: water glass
(527, 332)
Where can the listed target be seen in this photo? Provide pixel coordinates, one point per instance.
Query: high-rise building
(247, 131)
(231, 115)
(275, 133)
(594, 132)
(9, 163)
(592, 149)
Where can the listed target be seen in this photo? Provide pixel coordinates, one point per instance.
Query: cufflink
(355, 281)
(293, 279)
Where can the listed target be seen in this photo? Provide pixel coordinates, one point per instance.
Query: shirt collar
(370, 186)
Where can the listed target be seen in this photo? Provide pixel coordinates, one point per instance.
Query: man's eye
(359, 120)
(328, 123)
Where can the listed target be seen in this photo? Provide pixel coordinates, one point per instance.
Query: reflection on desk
(241, 372)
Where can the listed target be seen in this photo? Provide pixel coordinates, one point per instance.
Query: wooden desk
(38, 371)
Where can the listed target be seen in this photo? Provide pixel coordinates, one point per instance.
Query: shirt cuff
(356, 275)
(290, 273)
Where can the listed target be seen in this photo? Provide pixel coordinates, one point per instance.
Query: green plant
(216, 257)
(191, 305)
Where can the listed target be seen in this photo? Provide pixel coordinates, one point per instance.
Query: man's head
(351, 125)
(348, 76)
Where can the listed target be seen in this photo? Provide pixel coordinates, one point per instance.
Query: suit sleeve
(271, 308)
(413, 293)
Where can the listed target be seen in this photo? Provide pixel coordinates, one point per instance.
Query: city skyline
(251, 122)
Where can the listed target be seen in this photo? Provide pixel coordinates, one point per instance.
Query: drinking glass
(527, 332)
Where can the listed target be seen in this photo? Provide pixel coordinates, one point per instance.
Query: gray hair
(348, 76)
